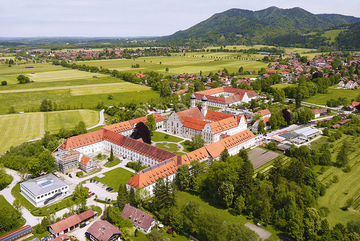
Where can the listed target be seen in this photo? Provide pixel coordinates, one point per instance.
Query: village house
(103, 231)
(141, 220)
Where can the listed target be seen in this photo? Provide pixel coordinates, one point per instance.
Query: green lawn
(168, 146)
(182, 198)
(4, 203)
(321, 99)
(187, 148)
(18, 128)
(282, 86)
(159, 136)
(347, 187)
(115, 177)
(112, 164)
(54, 121)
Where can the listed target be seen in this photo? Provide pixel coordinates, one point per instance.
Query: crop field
(18, 128)
(338, 193)
(245, 47)
(181, 64)
(20, 69)
(333, 93)
(54, 121)
(62, 75)
(110, 88)
(260, 157)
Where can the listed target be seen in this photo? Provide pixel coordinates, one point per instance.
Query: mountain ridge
(247, 26)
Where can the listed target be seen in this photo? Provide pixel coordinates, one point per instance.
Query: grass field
(181, 64)
(168, 146)
(347, 187)
(159, 136)
(4, 203)
(18, 128)
(54, 121)
(282, 86)
(333, 93)
(115, 177)
(111, 88)
(182, 198)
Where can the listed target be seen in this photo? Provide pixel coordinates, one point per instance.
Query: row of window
(55, 191)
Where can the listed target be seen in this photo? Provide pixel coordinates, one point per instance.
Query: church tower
(204, 106)
(192, 101)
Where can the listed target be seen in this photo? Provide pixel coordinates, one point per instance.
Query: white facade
(44, 190)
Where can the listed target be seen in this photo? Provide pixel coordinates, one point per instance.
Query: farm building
(70, 223)
(44, 189)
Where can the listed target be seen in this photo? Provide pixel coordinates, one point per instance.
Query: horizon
(94, 19)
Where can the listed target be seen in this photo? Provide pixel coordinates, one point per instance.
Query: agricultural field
(18, 128)
(245, 47)
(333, 93)
(338, 193)
(20, 69)
(181, 64)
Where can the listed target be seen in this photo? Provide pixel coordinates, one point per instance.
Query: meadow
(191, 63)
(18, 128)
(338, 193)
(333, 93)
(246, 47)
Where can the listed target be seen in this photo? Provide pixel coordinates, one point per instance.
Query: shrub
(80, 174)
(4, 82)
(335, 179)
(187, 142)
(166, 136)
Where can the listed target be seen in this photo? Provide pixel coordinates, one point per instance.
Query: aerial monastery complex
(219, 130)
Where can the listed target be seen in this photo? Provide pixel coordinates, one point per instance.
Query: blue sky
(110, 18)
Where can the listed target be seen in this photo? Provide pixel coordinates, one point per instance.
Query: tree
(277, 120)
(111, 158)
(17, 204)
(12, 110)
(312, 223)
(151, 124)
(123, 196)
(23, 79)
(342, 158)
(4, 82)
(261, 126)
(132, 198)
(226, 192)
(239, 205)
(279, 95)
(238, 232)
(110, 97)
(141, 131)
(46, 105)
(197, 142)
(182, 178)
(80, 128)
(224, 155)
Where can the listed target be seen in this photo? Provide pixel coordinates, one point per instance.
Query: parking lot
(100, 191)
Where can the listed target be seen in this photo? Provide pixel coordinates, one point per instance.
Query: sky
(131, 18)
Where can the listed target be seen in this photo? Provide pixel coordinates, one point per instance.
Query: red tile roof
(137, 217)
(71, 221)
(62, 237)
(83, 140)
(216, 116)
(194, 123)
(103, 230)
(264, 112)
(84, 160)
(194, 113)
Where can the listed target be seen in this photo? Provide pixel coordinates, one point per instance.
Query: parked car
(104, 186)
(91, 180)
(82, 225)
(92, 194)
(89, 192)
(87, 234)
(110, 189)
(70, 175)
(115, 205)
(97, 182)
(109, 200)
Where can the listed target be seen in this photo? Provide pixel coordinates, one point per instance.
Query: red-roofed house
(141, 220)
(103, 231)
(86, 164)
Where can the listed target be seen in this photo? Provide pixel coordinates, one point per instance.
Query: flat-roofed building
(44, 189)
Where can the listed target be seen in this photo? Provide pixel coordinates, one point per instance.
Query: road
(101, 121)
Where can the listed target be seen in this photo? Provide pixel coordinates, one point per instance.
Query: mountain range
(245, 26)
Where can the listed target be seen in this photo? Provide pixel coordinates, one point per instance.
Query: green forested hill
(349, 39)
(244, 26)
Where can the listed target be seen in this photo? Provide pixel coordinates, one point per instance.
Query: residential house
(103, 231)
(141, 220)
